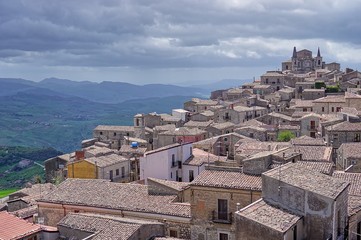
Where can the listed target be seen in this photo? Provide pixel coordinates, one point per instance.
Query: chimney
(79, 155)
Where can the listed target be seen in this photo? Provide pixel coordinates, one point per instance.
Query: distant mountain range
(104, 92)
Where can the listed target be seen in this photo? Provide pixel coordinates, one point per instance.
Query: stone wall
(204, 201)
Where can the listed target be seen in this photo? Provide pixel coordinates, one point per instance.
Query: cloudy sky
(171, 41)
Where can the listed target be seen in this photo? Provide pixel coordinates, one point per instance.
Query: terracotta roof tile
(200, 157)
(121, 196)
(345, 126)
(103, 226)
(353, 178)
(227, 179)
(313, 181)
(12, 227)
(179, 186)
(271, 216)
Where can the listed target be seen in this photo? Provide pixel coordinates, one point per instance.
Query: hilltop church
(303, 62)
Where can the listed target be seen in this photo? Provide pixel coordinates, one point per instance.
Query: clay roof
(322, 167)
(169, 118)
(272, 74)
(108, 160)
(166, 127)
(353, 178)
(165, 148)
(200, 157)
(303, 103)
(207, 113)
(345, 127)
(314, 153)
(12, 227)
(103, 226)
(228, 179)
(127, 149)
(312, 181)
(26, 212)
(330, 99)
(222, 126)
(114, 128)
(179, 186)
(253, 147)
(198, 124)
(32, 193)
(350, 150)
(270, 216)
(354, 205)
(184, 131)
(308, 141)
(119, 196)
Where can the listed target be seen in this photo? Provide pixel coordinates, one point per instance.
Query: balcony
(221, 217)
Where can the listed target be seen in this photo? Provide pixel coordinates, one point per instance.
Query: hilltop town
(276, 158)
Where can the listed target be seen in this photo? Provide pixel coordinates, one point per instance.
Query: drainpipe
(334, 220)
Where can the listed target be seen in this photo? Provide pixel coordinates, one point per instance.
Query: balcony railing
(221, 217)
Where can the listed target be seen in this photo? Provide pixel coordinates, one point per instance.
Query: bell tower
(318, 60)
(294, 59)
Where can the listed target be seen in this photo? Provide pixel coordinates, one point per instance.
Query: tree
(285, 136)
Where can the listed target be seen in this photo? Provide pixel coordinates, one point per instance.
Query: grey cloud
(170, 34)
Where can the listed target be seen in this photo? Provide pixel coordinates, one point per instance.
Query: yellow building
(82, 169)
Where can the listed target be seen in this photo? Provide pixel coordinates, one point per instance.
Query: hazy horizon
(170, 42)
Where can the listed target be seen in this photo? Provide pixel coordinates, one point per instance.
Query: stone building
(204, 116)
(112, 167)
(118, 199)
(312, 94)
(274, 78)
(197, 105)
(297, 203)
(239, 114)
(215, 196)
(303, 62)
(343, 132)
(354, 202)
(349, 157)
(166, 162)
(179, 135)
(113, 134)
(217, 129)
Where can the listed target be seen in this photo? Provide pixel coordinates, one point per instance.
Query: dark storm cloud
(173, 34)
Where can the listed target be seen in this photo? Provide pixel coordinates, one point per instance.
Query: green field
(4, 193)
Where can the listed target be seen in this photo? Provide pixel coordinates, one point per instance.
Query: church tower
(139, 126)
(294, 59)
(318, 60)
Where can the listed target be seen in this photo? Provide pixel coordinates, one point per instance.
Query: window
(223, 236)
(171, 175)
(117, 172)
(191, 175)
(223, 209)
(225, 139)
(295, 232)
(123, 172)
(304, 109)
(173, 233)
(114, 134)
(332, 109)
(251, 135)
(174, 140)
(173, 160)
(338, 109)
(111, 175)
(266, 80)
(137, 122)
(359, 231)
(323, 109)
(101, 133)
(357, 137)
